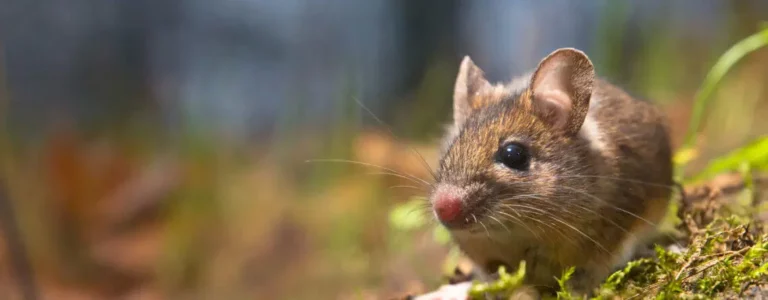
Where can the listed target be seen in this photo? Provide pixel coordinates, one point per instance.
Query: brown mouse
(557, 167)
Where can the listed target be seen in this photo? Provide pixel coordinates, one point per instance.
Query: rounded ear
(469, 82)
(561, 88)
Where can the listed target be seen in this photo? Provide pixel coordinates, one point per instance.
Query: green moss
(564, 293)
(504, 286)
(720, 260)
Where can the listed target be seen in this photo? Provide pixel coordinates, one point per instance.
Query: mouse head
(512, 145)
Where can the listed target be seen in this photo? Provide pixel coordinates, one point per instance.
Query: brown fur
(576, 204)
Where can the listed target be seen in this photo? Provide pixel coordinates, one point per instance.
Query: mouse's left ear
(561, 88)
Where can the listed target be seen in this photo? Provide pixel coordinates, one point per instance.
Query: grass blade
(754, 154)
(715, 75)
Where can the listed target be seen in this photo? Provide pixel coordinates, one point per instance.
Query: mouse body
(556, 167)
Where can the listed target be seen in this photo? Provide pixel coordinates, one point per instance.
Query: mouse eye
(514, 156)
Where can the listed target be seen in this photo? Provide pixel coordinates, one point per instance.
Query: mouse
(557, 167)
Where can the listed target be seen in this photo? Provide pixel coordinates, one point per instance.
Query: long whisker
(396, 175)
(500, 223)
(554, 228)
(406, 187)
(513, 196)
(538, 212)
(671, 187)
(576, 244)
(521, 223)
(388, 128)
(556, 219)
(423, 209)
(528, 209)
(511, 205)
(368, 165)
(618, 208)
(536, 196)
(609, 204)
(587, 209)
(488, 233)
(581, 233)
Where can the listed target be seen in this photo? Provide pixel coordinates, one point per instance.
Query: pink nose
(447, 206)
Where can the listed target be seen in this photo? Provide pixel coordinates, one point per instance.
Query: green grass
(754, 154)
(704, 95)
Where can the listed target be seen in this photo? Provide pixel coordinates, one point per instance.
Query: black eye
(514, 156)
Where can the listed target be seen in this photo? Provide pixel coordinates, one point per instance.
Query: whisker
(406, 187)
(529, 209)
(424, 211)
(511, 205)
(556, 219)
(514, 196)
(389, 129)
(582, 234)
(488, 233)
(671, 187)
(432, 219)
(500, 223)
(572, 241)
(587, 209)
(554, 228)
(566, 211)
(521, 223)
(620, 209)
(609, 204)
(395, 175)
(368, 165)
(420, 209)
(540, 212)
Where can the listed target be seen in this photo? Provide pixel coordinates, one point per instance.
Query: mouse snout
(447, 207)
(448, 204)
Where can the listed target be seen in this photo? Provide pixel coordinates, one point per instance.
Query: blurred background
(158, 149)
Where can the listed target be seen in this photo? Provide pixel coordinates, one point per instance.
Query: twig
(688, 263)
(656, 286)
(715, 75)
(723, 185)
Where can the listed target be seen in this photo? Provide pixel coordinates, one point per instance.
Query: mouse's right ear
(469, 83)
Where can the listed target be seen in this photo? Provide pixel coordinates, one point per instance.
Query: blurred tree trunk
(429, 35)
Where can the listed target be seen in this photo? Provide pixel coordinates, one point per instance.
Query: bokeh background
(158, 149)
